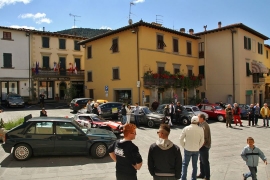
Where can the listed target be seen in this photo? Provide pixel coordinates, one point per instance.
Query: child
(251, 155)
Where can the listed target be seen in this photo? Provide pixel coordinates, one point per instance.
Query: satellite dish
(130, 21)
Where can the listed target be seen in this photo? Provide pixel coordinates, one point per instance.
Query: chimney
(191, 31)
(43, 29)
(182, 30)
(219, 24)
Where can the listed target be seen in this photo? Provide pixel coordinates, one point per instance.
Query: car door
(209, 110)
(69, 139)
(41, 138)
(106, 110)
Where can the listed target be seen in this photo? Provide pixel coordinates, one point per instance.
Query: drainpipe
(29, 78)
(138, 65)
(233, 71)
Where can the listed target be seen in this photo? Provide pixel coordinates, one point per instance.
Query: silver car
(195, 110)
(14, 100)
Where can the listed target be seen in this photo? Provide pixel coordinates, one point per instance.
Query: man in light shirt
(191, 139)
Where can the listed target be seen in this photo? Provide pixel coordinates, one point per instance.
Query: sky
(56, 15)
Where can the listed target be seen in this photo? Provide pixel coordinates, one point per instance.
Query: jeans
(252, 173)
(187, 155)
(204, 162)
(124, 119)
(256, 117)
(137, 122)
(265, 121)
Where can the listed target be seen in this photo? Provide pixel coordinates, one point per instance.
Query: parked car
(94, 121)
(78, 103)
(14, 100)
(244, 111)
(110, 109)
(213, 111)
(195, 110)
(185, 115)
(56, 136)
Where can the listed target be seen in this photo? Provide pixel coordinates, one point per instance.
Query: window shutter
(46, 62)
(249, 43)
(89, 76)
(77, 46)
(175, 45)
(247, 69)
(7, 60)
(78, 63)
(89, 52)
(245, 42)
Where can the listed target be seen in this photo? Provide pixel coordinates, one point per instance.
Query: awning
(258, 67)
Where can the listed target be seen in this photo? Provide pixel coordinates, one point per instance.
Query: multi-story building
(267, 79)
(54, 57)
(232, 60)
(14, 62)
(142, 62)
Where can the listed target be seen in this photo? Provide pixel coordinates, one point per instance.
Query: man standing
(265, 114)
(251, 115)
(204, 151)
(256, 113)
(191, 139)
(136, 114)
(236, 114)
(41, 99)
(126, 155)
(178, 111)
(172, 110)
(164, 157)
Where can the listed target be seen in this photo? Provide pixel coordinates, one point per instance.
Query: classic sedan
(94, 121)
(56, 136)
(213, 111)
(195, 110)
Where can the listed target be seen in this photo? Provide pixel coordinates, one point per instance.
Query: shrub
(11, 124)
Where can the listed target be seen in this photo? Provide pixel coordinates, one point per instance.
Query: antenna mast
(129, 20)
(74, 16)
(158, 19)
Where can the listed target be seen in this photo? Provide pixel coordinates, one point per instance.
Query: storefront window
(123, 96)
(46, 87)
(4, 90)
(7, 88)
(13, 88)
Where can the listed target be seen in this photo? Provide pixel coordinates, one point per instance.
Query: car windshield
(218, 108)
(98, 119)
(146, 110)
(195, 108)
(15, 97)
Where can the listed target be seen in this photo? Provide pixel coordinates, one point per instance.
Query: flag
(54, 66)
(37, 66)
(75, 69)
(59, 67)
(70, 67)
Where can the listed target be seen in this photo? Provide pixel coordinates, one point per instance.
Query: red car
(94, 121)
(213, 110)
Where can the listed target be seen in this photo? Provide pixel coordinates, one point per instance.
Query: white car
(195, 110)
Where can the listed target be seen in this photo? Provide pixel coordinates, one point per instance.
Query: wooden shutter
(45, 42)
(89, 76)
(247, 69)
(89, 52)
(62, 44)
(77, 46)
(189, 48)
(78, 63)
(7, 60)
(201, 70)
(245, 42)
(175, 45)
(115, 74)
(46, 61)
(91, 93)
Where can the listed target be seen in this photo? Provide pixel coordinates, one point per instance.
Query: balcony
(52, 73)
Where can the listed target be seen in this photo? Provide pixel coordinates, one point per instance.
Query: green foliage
(33, 92)
(70, 93)
(2, 125)
(84, 32)
(11, 124)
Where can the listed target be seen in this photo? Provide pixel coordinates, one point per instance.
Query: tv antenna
(130, 20)
(158, 19)
(74, 16)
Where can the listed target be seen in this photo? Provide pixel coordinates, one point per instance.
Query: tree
(70, 93)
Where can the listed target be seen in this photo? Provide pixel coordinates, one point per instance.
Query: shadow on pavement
(37, 107)
(53, 161)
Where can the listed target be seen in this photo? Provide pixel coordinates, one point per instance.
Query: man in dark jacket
(178, 111)
(164, 157)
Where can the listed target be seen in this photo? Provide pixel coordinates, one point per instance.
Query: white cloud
(138, 1)
(74, 27)
(38, 17)
(105, 27)
(8, 2)
(25, 27)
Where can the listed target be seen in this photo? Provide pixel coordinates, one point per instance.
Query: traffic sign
(106, 88)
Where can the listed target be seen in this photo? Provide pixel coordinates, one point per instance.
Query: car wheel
(150, 123)
(98, 150)
(220, 118)
(22, 152)
(185, 121)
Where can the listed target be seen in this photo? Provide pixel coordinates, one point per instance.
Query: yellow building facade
(122, 65)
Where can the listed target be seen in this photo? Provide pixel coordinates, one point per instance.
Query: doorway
(62, 89)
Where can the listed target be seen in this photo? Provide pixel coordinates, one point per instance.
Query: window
(77, 46)
(114, 46)
(248, 72)
(89, 52)
(45, 42)
(201, 50)
(78, 63)
(189, 51)
(176, 70)
(260, 48)
(62, 44)
(160, 42)
(201, 70)
(46, 61)
(161, 70)
(66, 128)
(266, 54)
(116, 73)
(89, 76)
(247, 43)
(41, 128)
(175, 45)
(190, 73)
(91, 93)
(7, 60)
(7, 35)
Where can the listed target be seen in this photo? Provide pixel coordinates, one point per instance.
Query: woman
(128, 109)
(88, 106)
(229, 115)
(124, 114)
(166, 113)
(95, 109)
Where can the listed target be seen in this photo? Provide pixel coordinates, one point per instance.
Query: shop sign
(52, 79)
(77, 82)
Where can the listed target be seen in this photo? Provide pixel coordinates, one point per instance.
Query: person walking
(172, 111)
(126, 155)
(191, 139)
(229, 115)
(251, 115)
(124, 114)
(178, 111)
(256, 113)
(89, 106)
(164, 157)
(136, 114)
(128, 109)
(265, 114)
(204, 150)
(250, 155)
(236, 114)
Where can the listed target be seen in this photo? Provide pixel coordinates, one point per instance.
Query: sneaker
(200, 176)
(244, 178)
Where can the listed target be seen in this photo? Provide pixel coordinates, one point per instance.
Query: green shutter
(7, 60)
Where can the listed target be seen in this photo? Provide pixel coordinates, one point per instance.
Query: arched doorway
(62, 89)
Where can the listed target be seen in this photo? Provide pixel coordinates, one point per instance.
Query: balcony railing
(259, 81)
(49, 72)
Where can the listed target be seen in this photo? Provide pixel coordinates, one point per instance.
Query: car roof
(111, 103)
(81, 99)
(189, 106)
(87, 114)
(54, 119)
(209, 104)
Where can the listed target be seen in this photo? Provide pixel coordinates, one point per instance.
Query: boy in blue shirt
(251, 155)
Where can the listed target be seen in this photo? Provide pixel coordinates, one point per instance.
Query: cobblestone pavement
(225, 160)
